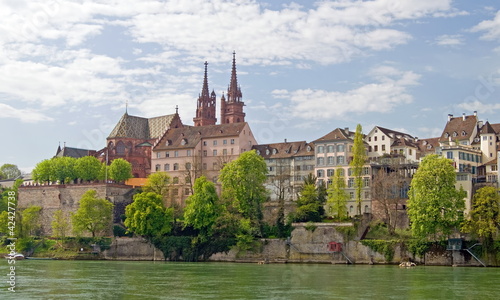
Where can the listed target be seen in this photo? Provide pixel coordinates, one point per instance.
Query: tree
(120, 170)
(485, 214)
(357, 163)
(31, 220)
(147, 216)
(43, 171)
(158, 183)
(60, 224)
(93, 215)
(87, 168)
(63, 169)
(308, 206)
(338, 197)
(435, 206)
(9, 171)
(243, 183)
(202, 208)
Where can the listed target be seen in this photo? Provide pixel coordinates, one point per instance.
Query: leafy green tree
(9, 171)
(87, 168)
(147, 216)
(64, 169)
(4, 222)
(309, 207)
(435, 206)
(203, 208)
(158, 183)
(338, 197)
(485, 214)
(93, 215)
(120, 170)
(243, 183)
(357, 163)
(60, 224)
(43, 171)
(31, 220)
(103, 172)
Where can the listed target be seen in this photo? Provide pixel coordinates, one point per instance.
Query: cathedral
(133, 137)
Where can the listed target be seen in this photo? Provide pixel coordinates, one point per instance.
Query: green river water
(53, 279)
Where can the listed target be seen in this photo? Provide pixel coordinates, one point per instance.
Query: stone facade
(67, 197)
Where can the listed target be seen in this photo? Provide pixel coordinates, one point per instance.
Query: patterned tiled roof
(141, 128)
(285, 150)
(73, 152)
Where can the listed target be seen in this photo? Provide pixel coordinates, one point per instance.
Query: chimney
(475, 113)
(346, 129)
(285, 140)
(463, 116)
(449, 117)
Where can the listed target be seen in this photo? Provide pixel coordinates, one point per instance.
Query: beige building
(288, 165)
(382, 141)
(190, 152)
(333, 153)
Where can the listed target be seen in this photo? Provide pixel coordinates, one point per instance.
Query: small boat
(16, 256)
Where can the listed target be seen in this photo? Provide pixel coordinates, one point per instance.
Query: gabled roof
(496, 127)
(492, 162)
(428, 145)
(394, 134)
(190, 136)
(336, 135)
(285, 150)
(141, 128)
(402, 142)
(73, 152)
(459, 128)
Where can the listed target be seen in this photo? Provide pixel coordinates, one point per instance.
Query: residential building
(288, 164)
(382, 141)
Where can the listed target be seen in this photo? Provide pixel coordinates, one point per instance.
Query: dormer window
(455, 133)
(258, 152)
(268, 152)
(275, 151)
(424, 143)
(429, 146)
(308, 148)
(183, 142)
(446, 135)
(464, 133)
(168, 142)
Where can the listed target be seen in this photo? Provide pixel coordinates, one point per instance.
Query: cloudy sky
(68, 67)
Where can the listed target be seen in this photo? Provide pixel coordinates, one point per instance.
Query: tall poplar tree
(337, 196)
(357, 163)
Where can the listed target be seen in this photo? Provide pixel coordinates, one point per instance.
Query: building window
(341, 172)
(366, 182)
(167, 154)
(369, 148)
(383, 147)
(410, 151)
(449, 154)
(166, 167)
(224, 142)
(186, 191)
(157, 167)
(204, 152)
(176, 153)
(375, 148)
(367, 210)
(320, 149)
(232, 141)
(175, 192)
(321, 161)
(188, 166)
(383, 138)
(214, 152)
(158, 154)
(330, 160)
(215, 142)
(351, 195)
(120, 148)
(340, 148)
(204, 166)
(340, 160)
(366, 171)
(224, 151)
(188, 152)
(214, 165)
(350, 182)
(330, 172)
(321, 173)
(375, 138)
(329, 149)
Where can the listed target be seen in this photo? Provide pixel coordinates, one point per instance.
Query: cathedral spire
(204, 90)
(205, 111)
(234, 91)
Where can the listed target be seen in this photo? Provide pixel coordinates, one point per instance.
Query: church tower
(205, 110)
(231, 110)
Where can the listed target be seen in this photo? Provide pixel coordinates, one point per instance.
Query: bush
(383, 247)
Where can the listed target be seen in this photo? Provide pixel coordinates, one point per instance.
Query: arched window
(157, 167)
(176, 166)
(120, 148)
(367, 210)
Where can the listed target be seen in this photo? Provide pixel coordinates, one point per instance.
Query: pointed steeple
(234, 91)
(205, 111)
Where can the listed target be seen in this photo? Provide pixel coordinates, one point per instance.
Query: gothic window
(120, 148)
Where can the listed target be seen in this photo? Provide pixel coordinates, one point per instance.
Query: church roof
(141, 128)
(73, 152)
(189, 136)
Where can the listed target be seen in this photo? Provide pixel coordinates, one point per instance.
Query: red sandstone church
(133, 137)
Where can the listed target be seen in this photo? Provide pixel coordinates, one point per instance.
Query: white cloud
(479, 106)
(491, 28)
(382, 96)
(449, 40)
(24, 115)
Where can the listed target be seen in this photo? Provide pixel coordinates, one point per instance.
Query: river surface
(54, 279)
